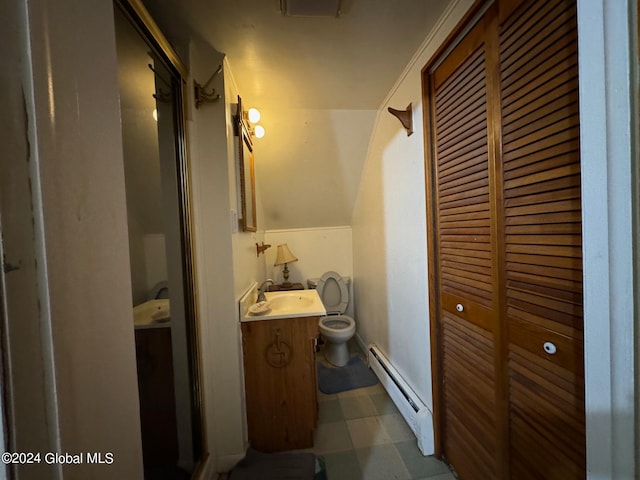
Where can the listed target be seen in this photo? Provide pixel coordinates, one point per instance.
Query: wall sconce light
(253, 116)
(258, 131)
(283, 257)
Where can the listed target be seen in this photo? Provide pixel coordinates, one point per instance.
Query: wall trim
(307, 229)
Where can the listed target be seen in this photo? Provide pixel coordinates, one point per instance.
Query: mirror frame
(247, 173)
(142, 20)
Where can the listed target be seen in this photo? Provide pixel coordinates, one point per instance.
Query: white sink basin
(289, 304)
(289, 301)
(151, 312)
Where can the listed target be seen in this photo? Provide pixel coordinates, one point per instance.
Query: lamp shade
(284, 255)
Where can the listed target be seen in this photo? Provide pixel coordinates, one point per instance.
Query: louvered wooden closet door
(506, 248)
(541, 158)
(465, 244)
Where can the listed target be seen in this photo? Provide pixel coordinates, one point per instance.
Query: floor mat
(355, 374)
(275, 466)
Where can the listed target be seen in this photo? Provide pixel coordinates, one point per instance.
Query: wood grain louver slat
(532, 27)
(474, 140)
(545, 162)
(448, 96)
(458, 123)
(564, 188)
(540, 151)
(532, 47)
(566, 383)
(528, 129)
(477, 266)
(472, 182)
(521, 21)
(529, 264)
(538, 109)
(551, 153)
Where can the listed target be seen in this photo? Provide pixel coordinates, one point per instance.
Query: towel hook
(201, 94)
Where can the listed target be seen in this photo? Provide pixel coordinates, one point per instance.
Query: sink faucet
(262, 288)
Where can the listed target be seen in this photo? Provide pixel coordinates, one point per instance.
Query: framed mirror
(247, 174)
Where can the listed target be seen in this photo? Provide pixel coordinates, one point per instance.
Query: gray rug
(276, 466)
(355, 374)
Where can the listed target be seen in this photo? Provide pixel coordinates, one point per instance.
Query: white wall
(389, 228)
(247, 267)
(309, 164)
(219, 355)
(318, 250)
(226, 261)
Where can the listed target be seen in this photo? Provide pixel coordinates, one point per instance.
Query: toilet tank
(312, 283)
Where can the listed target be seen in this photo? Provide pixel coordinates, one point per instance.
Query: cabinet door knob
(459, 307)
(550, 348)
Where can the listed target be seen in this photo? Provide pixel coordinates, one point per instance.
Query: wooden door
(543, 241)
(466, 245)
(506, 279)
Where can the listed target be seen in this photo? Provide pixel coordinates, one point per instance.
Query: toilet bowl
(336, 328)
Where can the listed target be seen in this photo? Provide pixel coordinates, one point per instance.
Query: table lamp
(283, 257)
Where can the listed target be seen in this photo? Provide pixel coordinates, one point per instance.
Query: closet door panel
(465, 243)
(543, 244)
(469, 388)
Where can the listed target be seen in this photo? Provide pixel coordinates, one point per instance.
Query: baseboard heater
(414, 411)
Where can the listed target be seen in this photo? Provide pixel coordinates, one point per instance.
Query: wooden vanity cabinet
(281, 382)
(154, 358)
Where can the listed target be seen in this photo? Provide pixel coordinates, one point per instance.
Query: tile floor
(362, 436)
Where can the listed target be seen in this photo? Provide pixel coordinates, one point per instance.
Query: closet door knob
(550, 348)
(459, 307)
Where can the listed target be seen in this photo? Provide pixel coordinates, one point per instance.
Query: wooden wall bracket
(201, 95)
(405, 117)
(261, 248)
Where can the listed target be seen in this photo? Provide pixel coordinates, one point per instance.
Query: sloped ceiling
(318, 83)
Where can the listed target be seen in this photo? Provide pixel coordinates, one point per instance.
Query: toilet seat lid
(333, 280)
(159, 290)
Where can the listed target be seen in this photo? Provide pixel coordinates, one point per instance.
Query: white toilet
(336, 328)
(159, 290)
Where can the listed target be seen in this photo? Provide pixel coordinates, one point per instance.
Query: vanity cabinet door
(280, 382)
(154, 358)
